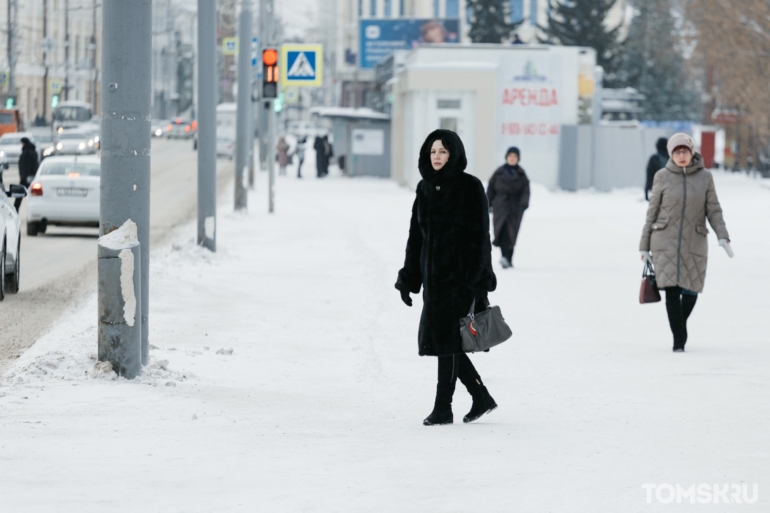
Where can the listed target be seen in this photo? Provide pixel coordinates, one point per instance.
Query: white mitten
(646, 256)
(726, 245)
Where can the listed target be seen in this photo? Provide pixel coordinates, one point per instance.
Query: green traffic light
(54, 101)
(9, 103)
(278, 103)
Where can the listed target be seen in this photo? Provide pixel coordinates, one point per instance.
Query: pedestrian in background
(674, 235)
(28, 165)
(300, 152)
(283, 155)
(508, 194)
(321, 157)
(448, 254)
(657, 161)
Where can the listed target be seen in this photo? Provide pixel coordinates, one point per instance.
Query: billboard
(379, 38)
(537, 93)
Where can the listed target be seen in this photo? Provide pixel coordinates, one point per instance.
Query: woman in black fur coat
(449, 255)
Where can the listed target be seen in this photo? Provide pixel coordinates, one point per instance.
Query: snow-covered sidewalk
(285, 374)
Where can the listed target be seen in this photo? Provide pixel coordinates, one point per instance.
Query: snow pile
(121, 238)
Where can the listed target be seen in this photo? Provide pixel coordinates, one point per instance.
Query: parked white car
(64, 192)
(10, 240)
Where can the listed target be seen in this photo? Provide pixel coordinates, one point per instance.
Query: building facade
(352, 78)
(54, 54)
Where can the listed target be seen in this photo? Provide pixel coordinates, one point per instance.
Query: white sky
(297, 15)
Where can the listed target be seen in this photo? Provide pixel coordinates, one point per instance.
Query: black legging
(456, 366)
(679, 305)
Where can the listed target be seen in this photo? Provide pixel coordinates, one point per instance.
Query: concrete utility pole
(207, 124)
(125, 138)
(244, 106)
(66, 50)
(93, 60)
(45, 58)
(13, 10)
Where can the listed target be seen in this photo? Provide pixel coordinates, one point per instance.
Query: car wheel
(2, 274)
(12, 280)
(32, 228)
(42, 226)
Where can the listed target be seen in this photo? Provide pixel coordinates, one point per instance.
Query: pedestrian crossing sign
(302, 65)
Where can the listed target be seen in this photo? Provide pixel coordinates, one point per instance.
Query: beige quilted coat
(675, 231)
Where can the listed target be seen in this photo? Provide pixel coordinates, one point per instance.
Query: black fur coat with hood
(448, 253)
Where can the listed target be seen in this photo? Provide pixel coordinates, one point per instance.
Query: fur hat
(513, 149)
(678, 140)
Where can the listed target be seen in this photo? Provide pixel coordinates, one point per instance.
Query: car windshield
(10, 140)
(70, 113)
(65, 168)
(72, 136)
(43, 138)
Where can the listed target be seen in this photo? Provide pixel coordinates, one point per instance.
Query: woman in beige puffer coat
(674, 237)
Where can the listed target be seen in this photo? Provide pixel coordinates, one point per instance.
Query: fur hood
(457, 160)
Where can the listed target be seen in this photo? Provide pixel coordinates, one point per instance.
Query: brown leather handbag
(649, 292)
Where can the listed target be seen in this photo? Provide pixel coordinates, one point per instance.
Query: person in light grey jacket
(674, 237)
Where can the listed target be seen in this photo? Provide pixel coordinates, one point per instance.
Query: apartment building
(55, 52)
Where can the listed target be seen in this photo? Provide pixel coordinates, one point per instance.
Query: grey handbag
(483, 330)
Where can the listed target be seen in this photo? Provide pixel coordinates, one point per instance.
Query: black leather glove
(482, 303)
(405, 298)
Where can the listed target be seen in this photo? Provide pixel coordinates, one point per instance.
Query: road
(59, 268)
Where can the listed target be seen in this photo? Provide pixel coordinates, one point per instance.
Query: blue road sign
(301, 65)
(254, 51)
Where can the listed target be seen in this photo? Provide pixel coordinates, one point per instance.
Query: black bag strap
(648, 270)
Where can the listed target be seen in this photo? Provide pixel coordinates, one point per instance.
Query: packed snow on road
(284, 373)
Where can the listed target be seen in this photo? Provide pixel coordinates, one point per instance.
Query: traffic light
(278, 103)
(270, 74)
(54, 101)
(10, 101)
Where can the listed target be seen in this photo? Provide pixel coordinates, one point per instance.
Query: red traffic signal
(270, 73)
(270, 57)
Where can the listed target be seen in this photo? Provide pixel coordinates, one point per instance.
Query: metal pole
(125, 144)
(93, 60)
(250, 158)
(270, 143)
(66, 49)
(244, 106)
(207, 124)
(11, 46)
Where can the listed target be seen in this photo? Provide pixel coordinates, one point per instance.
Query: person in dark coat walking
(657, 162)
(449, 255)
(28, 165)
(508, 194)
(322, 155)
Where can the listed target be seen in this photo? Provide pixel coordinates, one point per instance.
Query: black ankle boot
(442, 408)
(482, 401)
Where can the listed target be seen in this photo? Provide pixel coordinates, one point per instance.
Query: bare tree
(732, 44)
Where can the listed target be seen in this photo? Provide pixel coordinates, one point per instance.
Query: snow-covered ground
(285, 374)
